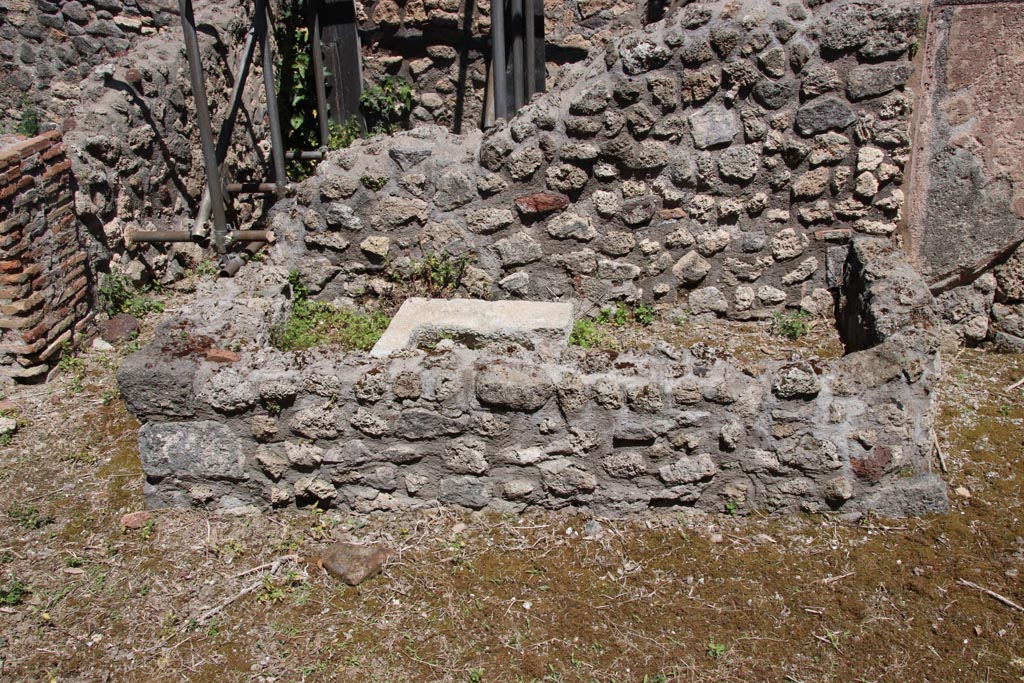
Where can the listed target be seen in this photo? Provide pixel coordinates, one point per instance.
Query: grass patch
(318, 323)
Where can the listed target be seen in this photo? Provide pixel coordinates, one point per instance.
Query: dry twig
(992, 594)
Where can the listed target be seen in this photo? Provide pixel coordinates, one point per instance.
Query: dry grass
(669, 597)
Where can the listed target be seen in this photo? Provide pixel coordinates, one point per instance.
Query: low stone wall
(44, 284)
(503, 428)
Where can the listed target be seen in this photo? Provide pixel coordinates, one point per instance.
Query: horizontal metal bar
(252, 188)
(160, 236)
(315, 155)
(253, 236)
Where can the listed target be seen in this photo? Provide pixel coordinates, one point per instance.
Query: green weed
(716, 650)
(119, 295)
(318, 323)
(791, 325)
(29, 124)
(28, 516)
(439, 274)
(12, 593)
(387, 106)
(73, 366)
(374, 182)
(585, 333)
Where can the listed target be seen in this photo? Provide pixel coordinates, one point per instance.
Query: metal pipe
(234, 264)
(531, 52)
(517, 55)
(313, 10)
(195, 68)
(253, 188)
(304, 156)
(267, 236)
(160, 236)
(199, 229)
(276, 138)
(498, 58)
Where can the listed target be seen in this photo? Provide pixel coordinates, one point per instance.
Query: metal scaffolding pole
(313, 14)
(195, 69)
(262, 21)
(531, 48)
(498, 58)
(517, 55)
(241, 74)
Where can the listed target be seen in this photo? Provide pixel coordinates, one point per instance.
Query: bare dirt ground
(673, 596)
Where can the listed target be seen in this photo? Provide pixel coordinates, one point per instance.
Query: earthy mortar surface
(466, 597)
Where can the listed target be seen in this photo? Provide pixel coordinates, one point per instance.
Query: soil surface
(670, 596)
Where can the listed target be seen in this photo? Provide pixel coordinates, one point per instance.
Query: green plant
(340, 135)
(119, 295)
(387, 106)
(73, 366)
(374, 182)
(12, 593)
(29, 124)
(791, 325)
(586, 334)
(475, 675)
(716, 650)
(731, 507)
(439, 274)
(622, 314)
(295, 85)
(28, 516)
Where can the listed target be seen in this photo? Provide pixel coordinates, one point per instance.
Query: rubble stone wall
(719, 160)
(48, 47)
(135, 147)
(44, 284)
(502, 428)
(443, 48)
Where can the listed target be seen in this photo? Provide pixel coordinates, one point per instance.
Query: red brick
(11, 266)
(11, 293)
(9, 157)
(57, 169)
(23, 349)
(21, 322)
(32, 145)
(19, 278)
(222, 356)
(23, 306)
(54, 151)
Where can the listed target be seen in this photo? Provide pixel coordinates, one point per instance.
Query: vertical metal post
(276, 138)
(498, 58)
(313, 10)
(517, 54)
(195, 69)
(531, 52)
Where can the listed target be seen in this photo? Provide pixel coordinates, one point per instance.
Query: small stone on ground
(353, 563)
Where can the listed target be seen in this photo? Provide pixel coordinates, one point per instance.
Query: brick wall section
(43, 279)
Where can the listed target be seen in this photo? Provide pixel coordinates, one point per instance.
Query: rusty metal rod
(517, 56)
(531, 51)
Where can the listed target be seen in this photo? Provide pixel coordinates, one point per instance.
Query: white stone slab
(532, 324)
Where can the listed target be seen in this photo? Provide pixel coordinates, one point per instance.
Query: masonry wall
(504, 428)
(443, 48)
(719, 160)
(44, 284)
(48, 47)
